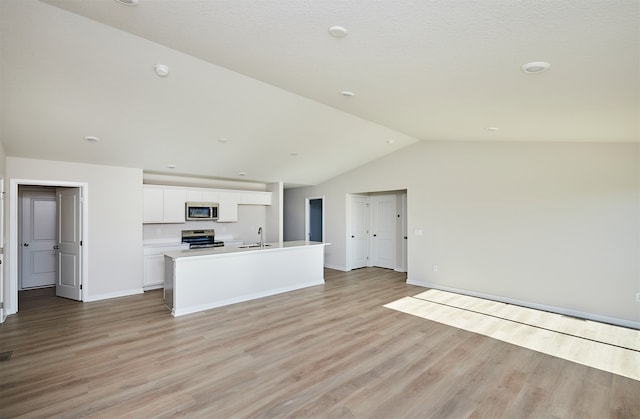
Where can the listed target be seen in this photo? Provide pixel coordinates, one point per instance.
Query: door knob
(26, 244)
(353, 237)
(375, 235)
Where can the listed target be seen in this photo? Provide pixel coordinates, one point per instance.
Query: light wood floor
(325, 351)
(607, 347)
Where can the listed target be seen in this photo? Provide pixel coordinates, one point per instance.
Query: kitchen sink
(253, 245)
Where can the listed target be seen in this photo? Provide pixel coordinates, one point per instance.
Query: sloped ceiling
(254, 86)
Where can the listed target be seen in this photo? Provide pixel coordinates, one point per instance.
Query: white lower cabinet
(153, 271)
(154, 264)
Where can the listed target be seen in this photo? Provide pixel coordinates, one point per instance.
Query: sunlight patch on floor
(606, 347)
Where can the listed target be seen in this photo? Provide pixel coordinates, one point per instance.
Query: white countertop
(161, 242)
(220, 251)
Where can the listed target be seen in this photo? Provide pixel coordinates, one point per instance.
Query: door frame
(12, 242)
(307, 216)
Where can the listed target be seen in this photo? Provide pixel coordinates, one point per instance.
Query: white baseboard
(114, 295)
(337, 268)
(559, 310)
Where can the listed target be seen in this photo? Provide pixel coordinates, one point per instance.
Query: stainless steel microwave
(201, 211)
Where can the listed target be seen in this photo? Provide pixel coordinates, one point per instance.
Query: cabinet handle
(26, 244)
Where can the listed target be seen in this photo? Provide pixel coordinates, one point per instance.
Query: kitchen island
(197, 280)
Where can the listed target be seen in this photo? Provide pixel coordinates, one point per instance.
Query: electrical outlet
(435, 268)
(637, 297)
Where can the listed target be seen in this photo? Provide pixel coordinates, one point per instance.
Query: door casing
(11, 284)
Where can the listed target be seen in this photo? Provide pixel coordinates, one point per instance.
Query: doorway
(376, 230)
(70, 227)
(314, 219)
(37, 232)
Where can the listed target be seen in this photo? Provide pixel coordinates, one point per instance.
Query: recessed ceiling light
(242, 174)
(347, 93)
(223, 140)
(535, 67)
(492, 129)
(391, 141)
(294, 154)
(128, 2)
(337, 31)
(91, 139)
(171, 166)
(161, 70)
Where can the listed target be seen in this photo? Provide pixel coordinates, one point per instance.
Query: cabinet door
(174, 200)
(210, 196)
(256, 198)
(228, 207)
(153, 271)
(153, 205)
(194, 195)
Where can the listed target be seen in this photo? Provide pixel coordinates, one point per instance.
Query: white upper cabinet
(165, 204)
(202, 195)
(174, 200)
(255, 198)
(153, 204)
(194, 195)
(210, 196)
(228, 206)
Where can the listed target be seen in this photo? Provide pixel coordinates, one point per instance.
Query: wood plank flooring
(326, 351)
(607, 347)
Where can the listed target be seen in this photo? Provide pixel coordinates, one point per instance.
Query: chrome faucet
(261, 237)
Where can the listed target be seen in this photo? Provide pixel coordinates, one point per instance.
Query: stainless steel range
(200, 239)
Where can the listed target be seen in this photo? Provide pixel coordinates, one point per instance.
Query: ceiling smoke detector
(128, 2)
(536, 67)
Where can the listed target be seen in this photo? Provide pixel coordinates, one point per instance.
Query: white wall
(552, 224)
(114, 239)
(274, 231)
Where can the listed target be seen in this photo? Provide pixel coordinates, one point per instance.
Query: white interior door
(383, 231)
(359, 234)
(69, 282)
(38, 262)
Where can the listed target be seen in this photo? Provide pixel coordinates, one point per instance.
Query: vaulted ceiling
(254, 89)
